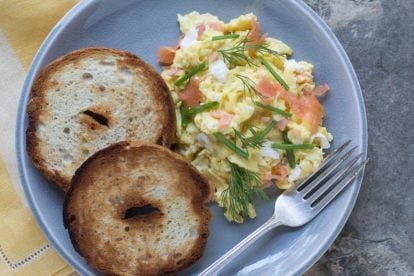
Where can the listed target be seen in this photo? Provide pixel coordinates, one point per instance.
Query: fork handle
(214, 268)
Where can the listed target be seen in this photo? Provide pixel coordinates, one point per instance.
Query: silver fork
(299, 205)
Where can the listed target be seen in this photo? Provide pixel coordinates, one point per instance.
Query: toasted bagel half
(137, 209)
(89, 99)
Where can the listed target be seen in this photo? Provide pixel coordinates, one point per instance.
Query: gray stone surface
(378, 36)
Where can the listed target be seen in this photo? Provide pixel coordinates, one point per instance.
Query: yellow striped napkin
(23, 26)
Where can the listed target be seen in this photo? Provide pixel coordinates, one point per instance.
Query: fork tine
(332, 180)
(328, 158)
(338, 188)
(323, 175)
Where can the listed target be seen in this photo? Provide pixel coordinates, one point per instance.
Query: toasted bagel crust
(88, 99)
(133, 174)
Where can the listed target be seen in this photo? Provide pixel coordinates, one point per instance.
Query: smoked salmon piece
(321, 90)
(279, 173)
(282, 124)
(267, 88)
(306, 107)
(166, 55)
(215, 25)
(213, 57)
(201, 28)
(191, 94)
(223, 117)
(255, 34)
(254, 37)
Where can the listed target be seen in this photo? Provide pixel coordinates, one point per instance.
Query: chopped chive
(187, 113)
(191, 73)
(184, 120)
(273, 72)
(221, 37)
(274, 109)
(231, 145)
(201, 108)
(293, 146)
(290, 154)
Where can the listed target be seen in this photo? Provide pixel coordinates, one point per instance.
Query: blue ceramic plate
(141, 27)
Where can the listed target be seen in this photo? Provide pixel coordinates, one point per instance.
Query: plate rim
(21, 131)
(356, 185)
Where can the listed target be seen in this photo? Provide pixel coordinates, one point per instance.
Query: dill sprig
(249, 86)
(187, 113)
(222, 37)
(189, 74)
(231, 145)
(238, 54)
(262, 47)
(243, 185)
(257, 137)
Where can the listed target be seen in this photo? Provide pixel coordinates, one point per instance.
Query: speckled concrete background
(378, 36)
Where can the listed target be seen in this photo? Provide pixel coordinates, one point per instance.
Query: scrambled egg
(237, 86)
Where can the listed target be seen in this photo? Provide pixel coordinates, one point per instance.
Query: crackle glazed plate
(142, 27)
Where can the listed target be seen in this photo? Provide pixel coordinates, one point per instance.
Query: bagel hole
(140, 211)
(99, 118)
